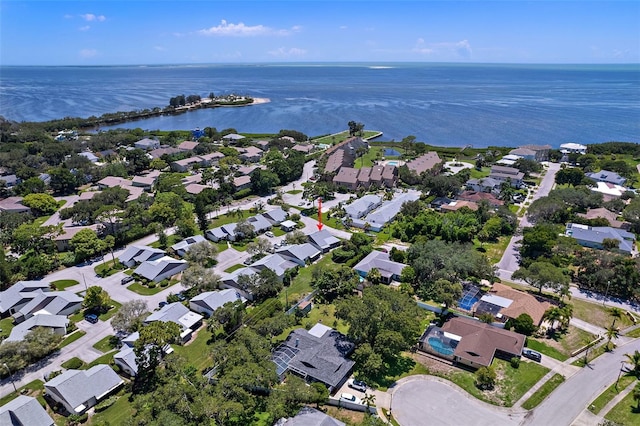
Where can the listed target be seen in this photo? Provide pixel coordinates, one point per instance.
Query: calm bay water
(441, 104)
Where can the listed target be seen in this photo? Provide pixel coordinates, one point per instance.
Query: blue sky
(171, 32)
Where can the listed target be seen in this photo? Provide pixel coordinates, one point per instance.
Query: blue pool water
(393, 163)
(440, 347)
(467, 303)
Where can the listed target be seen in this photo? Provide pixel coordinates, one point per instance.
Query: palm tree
(553, 315)
(636, 396)
(611, 333)
(616, 313)
(634, 360)
(370, 399)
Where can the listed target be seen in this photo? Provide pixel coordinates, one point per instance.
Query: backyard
(562, 345)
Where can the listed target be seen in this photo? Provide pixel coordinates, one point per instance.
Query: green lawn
(294, 191)
(301, 284)
(104, 359)
(72, 338)
(403, 366)
(333, 222)
(493, 251)
(146, 291)
(73, 363)
(611, 392)
(368, 159)
(278, 232)
(117, 414)
(479, 174)
(324, 313)
(171, 240)
(106, 344)
(36, 385)
(6, 325)
(596, 314)
(543, 392)
(226, 218)
(545, 349)
(635, 333)
(592, 354)
(625, 412)
(234, 268)
(62, 284)
(114, 308)
(512, 382)
(196, 352)
(109, 268)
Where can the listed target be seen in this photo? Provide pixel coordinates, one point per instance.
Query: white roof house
(79, 390)
(323, 240)
(138, 254)
(276, 216)
(57, 323)
(609, 190)
(207, 303)
(277, 263)
(363, 205)
(50, 303)
(175, 312)
(181, 248)
(300, 253)
(24, 411)
(567, 148)
(21, 293)
(126, 360)
(389, 270)
(159, 269)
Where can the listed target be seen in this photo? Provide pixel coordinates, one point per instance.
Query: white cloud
(85, 28)
(459, 49)
(90, 17)
(283, 52)
(343, 27)
(159, 48)
(226, 29)
(88, 53)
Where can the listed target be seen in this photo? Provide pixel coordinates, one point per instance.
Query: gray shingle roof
(259, 222)
(39, 320)
(389, 209)
(213, 300)
(276, 216)
(310, 417)
(153, 268)
(597, 234)
(607, 176)
(77, 387)
(24, 411)
(175, 312)
(362, 205)
(380, 260)
(128, 357)
(52, 302)
(302, 252)
(139, 253)
(188, 242)
(323, 239)
(20, 292)
(275, 262)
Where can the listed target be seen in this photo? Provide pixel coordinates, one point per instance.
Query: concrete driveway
(425, 400)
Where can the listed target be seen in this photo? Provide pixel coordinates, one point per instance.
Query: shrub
(164, 283)
(76, 419)
(486, 378)
(515, 362)
(106, 403)
(151, 285)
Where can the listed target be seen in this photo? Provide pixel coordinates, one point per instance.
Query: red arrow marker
(320, 225)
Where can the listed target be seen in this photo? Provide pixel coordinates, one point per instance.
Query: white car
(347, 397)
(269, 234)
(357, 385)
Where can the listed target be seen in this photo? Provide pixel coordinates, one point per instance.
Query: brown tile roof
(376, 173)
(335, 161)
(457, 205)
(480, 341)
(188, 145)
(389, 172)
(347, 175)
(523, 303)
(424, 162)
(363, 176)
(601, 212)
(479, 196)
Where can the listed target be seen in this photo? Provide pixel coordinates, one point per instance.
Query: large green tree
(130, 316)
(97, 299)
(543, 275)
(86, 244)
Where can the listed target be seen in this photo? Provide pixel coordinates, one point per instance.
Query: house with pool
(471, 342)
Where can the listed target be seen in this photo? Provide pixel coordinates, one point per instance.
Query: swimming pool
(440, 347)
(392, 163)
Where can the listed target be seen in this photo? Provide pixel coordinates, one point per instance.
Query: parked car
(181, 297)
(126, 280)
(347, 397)
(163, 304)
(357, 385)
(528, 353)
(269, 234)
(92, 318)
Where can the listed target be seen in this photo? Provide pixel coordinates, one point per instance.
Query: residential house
(317, 355)
(158, 153)
(487, 184)
(182, 248)
(276, 262)
(423, 163)
(126, 360)
(439, 202)
(177, 313)
(233, 280)
(89, 156)
(379, 217)
(50, 303)
(251, 154)
(244, 170)
(390, 176)
(232, 137)
(196, 188)
(541, 152)
(507, 174)
(260, 223)
(186, 164)
(56, 323)
(63, 241)
(471, 342)
(608, 215)
(323, 240)
(230, 230)
(188, 145)
(477, 197)
(10, 180)
(389, 270)
(594, 236)
(134, 255)
(242, 182)
(19, 294)
(216, 234)
(508, 160)
(573, 148)
(606, 176)
(335, 161)
(13, 205)
(525, 153)
(363, 206)
(147, 144)
(79, 390)
(24, 411)
(308, 416)
(609, 191)
(288, 225)
(87, 195)
(208, 302)
(211, 159)
(364, 180)
(276, 216)
(302, 254)
(456, 205)
(347, 177)
(263, 145)
(161, 268)
(144, 182)
(504, 303)
(304, 148)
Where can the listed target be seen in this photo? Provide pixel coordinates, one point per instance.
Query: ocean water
(440, 104)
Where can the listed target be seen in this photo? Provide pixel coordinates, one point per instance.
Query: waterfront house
(423, 163)
(147, 144)
(573, 148)
(507, 174)
(606, 176)
(232, 137)
(79, 390)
